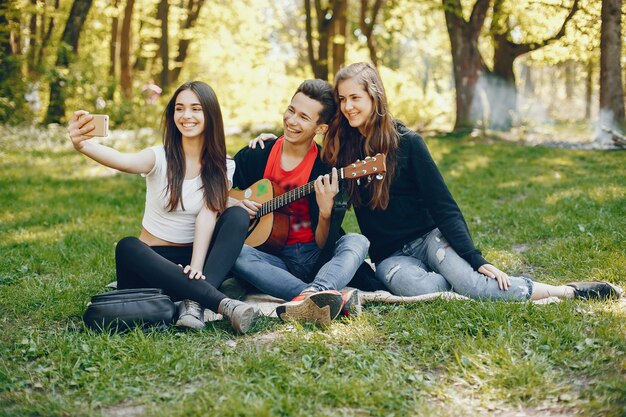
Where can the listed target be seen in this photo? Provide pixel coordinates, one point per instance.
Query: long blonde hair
(344, 144)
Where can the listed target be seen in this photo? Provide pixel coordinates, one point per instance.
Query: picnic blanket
(267, 304)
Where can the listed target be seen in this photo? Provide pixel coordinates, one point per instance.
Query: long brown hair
(344, 144)
(213, 153)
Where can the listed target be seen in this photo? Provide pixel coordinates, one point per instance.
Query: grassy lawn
(556, 215)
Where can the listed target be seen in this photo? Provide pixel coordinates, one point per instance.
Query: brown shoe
(312, 307)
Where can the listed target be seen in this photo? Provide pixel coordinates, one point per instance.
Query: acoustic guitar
(269, 228)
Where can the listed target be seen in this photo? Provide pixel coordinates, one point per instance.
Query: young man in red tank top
(316, 260)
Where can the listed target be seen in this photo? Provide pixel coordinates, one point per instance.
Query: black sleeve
(441, 205)
(250, 165)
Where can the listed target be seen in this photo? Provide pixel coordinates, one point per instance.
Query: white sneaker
(190, 315)
(241, 316)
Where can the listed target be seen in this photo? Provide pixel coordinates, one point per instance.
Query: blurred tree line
(453, 64)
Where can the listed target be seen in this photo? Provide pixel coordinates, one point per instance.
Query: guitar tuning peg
(379, 177)
(368, 157)
(369, 179)
(358, 181)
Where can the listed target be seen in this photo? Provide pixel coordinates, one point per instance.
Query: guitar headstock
(371, 165)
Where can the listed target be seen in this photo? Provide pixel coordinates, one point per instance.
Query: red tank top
(300, 230)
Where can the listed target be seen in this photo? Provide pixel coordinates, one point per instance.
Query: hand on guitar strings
(326, 188)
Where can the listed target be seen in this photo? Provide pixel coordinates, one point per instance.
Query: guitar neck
(290, 196)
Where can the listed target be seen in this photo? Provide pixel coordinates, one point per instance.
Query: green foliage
(551, 213)
(14, 108)
(254, 54)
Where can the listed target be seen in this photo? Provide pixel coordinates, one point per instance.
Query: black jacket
(419, 201)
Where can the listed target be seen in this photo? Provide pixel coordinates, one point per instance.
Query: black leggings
(139, 265)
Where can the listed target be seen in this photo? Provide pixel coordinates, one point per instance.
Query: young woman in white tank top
(189, 240)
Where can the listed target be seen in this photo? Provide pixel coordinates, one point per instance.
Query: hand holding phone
(101, 123)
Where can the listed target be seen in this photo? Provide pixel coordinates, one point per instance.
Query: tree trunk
(141, 62)
(45, 41)
(367, 23)
(570, 79)
(193, 11)
(11, 81)
(115, 26)
(113, 51)
(15, 30)
(339, 34)
(33, 40)
(611, 87)
(501, 85)
(163, 13)
(68, 47)
(319, 59)
(323, 26)
(467, 62)
(126, 78)
(5, 38)
(309, 37)
(529, 83)
(589, 89)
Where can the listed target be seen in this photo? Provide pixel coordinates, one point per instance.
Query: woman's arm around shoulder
(135, 163)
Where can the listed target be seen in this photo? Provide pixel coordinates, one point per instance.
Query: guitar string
(290, 196)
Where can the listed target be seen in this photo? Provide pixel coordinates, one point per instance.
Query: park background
(511, 97)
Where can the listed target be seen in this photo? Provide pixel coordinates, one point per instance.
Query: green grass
(558, 215)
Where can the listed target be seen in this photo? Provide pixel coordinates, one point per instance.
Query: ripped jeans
(429, 264)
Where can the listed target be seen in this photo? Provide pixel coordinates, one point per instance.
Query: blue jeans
(269, 273)
(429, 264)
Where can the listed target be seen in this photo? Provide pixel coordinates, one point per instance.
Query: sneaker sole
(319, 308)
(246, 320)
(190, 323)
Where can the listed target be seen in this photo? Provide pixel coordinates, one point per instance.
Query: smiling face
(189, 115)
(355, 103)
(300, 121)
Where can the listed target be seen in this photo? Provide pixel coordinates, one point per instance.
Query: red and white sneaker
(351, 306)
(312, 307)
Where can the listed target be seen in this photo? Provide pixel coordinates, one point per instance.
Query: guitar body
(267, 233)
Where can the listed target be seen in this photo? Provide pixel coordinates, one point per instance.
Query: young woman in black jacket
(418, 237)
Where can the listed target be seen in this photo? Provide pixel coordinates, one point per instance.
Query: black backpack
(121, 310)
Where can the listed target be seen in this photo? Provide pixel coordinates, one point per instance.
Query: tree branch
(479, 13)
(523, 48)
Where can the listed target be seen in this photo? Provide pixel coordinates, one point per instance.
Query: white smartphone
(101, 121)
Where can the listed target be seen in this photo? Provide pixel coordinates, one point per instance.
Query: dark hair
(213, 153)
(322, 91)
(344, 144)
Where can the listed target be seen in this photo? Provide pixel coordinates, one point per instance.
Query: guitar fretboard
(290, 196)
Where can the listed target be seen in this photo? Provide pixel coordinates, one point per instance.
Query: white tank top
(175, 226)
